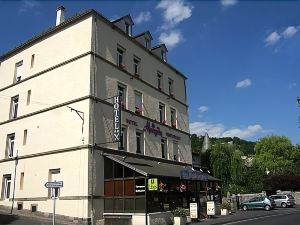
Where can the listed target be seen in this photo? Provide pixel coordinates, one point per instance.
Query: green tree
(274, 154)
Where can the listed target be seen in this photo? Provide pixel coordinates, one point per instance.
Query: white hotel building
(56, 123)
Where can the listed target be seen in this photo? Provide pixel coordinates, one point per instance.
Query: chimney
(60, 15)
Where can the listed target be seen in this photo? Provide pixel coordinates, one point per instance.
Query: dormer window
(163, 56)
(147, 43)
(127, 29)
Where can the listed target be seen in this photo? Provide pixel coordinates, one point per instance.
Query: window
(120, 58)
(25, 137)
(28, 97)
(32, 61)
(18, 71)
(138, 103)
(163, 148)
(175, 150)
(6, 187)
(159, 81)
(122, 94)
(14, 107)
(124, 138)
(127, 29)
(21, 181)
(136, 66)
(171, 93)
(10, 146)
(173, 117)
(147, 43)
(162, 113)
(163, 56)
(139, 142)
(54, 175)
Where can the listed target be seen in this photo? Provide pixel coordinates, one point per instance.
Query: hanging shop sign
(117, 119)
(152, 129)
(193, 210)
(193, 175)
(152, 184)
(139, 188)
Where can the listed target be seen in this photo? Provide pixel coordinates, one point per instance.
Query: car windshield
(290, 196)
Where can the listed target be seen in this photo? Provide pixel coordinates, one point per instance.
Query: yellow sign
(152, 184)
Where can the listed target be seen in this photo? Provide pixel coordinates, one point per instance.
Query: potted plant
(225, 208)
(179, 216)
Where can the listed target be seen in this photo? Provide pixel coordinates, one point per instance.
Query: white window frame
(122, 93)
(162, 113)
(171, 86)
(173, 116)
(175, 150)
(164, 148)
(124, 133)
(141, 138)
(120, 57)
(14, 105)
(136, 66)
(18, 71)
(10, 145)
(138, 104)
(6, 186)
(159, 81)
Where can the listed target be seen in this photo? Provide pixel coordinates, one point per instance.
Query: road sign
(152, 184)
(54, 184)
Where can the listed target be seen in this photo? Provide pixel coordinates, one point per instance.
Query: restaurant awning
(149, 167)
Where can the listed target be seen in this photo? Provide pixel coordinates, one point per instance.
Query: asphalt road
(279, 216)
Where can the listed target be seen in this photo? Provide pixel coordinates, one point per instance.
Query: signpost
(55, 186)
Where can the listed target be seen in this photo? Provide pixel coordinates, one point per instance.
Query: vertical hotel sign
(117, 119)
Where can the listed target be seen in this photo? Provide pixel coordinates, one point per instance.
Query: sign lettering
(152, 184)
(152, 129)
(117, 124)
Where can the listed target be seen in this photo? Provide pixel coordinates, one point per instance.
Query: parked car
(262, 202)
(284, 200)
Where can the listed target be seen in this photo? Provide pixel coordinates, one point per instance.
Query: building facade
(57, 119)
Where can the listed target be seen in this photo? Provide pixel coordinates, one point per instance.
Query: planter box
(179, 220)
(224, 212)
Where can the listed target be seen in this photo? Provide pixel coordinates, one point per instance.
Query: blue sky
(242, 58)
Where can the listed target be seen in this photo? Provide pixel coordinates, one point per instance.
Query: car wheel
(245, 208)
(267, 207)
(284, 205)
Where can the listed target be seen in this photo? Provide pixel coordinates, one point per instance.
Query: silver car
(284, 200)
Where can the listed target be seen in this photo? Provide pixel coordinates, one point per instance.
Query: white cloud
(292, 85)
(143, 17)
(247, 132)
(228, 3)
(174, 12)
(289, 32)
(243, 84)
(218, 130)
(203, 109)
(272, 39)
(27, 5)
(171, 39)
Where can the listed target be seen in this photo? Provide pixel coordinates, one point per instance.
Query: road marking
(257, 218)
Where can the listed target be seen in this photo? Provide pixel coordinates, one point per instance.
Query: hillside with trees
(249, 167)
